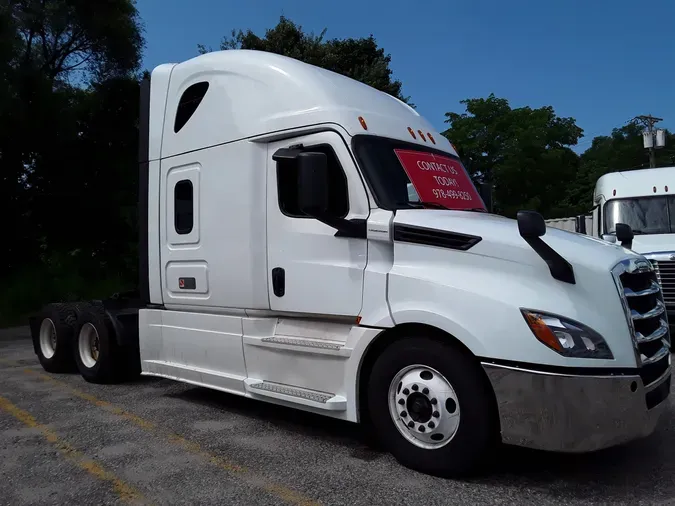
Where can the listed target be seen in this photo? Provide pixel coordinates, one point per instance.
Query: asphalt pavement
(156, 441)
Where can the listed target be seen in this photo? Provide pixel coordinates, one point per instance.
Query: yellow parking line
(125, 492)
(286, 494)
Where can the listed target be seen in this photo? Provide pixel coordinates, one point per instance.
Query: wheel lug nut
(436, 414)
(403, 414)
(411, 424)
(425, 391)
(434, 401)
(401, 402)
(422, 429)
(431, 425)
(406, 391)
(415, 388)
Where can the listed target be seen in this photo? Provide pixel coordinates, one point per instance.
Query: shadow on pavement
(640, 469)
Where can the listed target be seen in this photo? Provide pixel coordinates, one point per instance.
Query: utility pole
(650, 138)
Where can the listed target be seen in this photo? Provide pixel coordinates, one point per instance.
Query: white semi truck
(644, 200)
(282, 260)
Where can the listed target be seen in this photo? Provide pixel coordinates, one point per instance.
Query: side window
(287, 183)
(188, 103)
(183, 198)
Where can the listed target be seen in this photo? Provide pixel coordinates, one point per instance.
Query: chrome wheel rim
(48, 338)
(89, 345)
(424, 406)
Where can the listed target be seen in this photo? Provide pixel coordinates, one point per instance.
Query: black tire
(53, 339)
(106, 367)
(474, 438)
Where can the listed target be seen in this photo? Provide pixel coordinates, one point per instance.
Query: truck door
(310, 269)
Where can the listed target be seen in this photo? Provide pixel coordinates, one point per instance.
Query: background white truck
(643, 199)
(280, 259)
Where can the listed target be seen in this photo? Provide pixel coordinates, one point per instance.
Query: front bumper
(574, 413)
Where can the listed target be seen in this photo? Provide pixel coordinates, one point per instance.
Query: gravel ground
(155, 441)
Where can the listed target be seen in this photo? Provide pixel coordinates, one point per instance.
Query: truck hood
(500, 238)
(644, 244)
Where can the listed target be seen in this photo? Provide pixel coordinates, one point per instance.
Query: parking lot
(154, 441)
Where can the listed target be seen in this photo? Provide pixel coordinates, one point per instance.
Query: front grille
(665, 274)
(643, 301)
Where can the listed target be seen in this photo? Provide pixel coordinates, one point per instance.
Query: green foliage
(621, 151)
(525, 153)
(360, 59)
(68, 144)
(69, 78)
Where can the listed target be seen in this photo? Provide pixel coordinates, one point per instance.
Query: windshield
(645, 215)
(404, 175)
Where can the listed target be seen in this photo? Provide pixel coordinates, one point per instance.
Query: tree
(622, 150)
(360, 59)
(68, 153)
(524, 153)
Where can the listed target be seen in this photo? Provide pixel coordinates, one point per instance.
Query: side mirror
(531, 224)
(625, 235)
(313, 183)
(485, 192)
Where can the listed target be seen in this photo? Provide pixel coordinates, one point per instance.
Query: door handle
(279, 281)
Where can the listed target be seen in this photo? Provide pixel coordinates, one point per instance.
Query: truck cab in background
(644, 200)
(284, 257)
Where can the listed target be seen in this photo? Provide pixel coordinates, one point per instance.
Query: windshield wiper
(421, 205)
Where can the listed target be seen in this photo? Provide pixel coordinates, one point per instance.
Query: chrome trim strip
(547, 373)
(660, 256)
(664, 351)
(659, 381)
(654, 288)
(658, 310)
(657, 334)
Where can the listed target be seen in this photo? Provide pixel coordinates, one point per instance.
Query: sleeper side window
(188, 103)
(287, 184)
(183, 195)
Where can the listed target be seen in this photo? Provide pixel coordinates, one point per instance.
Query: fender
(434, 315)
(362, 338)
(125, 325)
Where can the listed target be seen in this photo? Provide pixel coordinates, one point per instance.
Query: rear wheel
(55, 338)
(96, 350)
(431, 407)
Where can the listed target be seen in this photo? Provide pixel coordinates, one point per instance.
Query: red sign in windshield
(439, 180)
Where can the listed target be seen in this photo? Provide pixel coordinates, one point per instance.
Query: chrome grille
(645, 309)
(665, 275)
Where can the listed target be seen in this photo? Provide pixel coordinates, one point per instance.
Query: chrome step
(300, 344)
(309, 343)
(297, 395)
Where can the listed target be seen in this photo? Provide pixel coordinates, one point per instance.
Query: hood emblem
(672, 257)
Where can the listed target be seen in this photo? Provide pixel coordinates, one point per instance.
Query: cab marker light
(422, 135)
(412, 133)
(431, 138)
(363, 123)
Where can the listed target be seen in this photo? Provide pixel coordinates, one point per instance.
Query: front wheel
(431, 407)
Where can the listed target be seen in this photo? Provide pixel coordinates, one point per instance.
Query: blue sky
(601, 62)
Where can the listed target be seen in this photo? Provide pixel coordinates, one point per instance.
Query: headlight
(567, 337)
